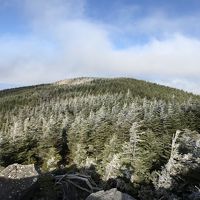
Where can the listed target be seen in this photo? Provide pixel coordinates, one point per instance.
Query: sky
(43, 41)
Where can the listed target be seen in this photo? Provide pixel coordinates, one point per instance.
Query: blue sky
(48, 40)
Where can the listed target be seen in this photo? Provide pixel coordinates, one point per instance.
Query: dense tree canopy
(122, 126)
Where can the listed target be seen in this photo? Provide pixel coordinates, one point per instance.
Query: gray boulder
(112, 194)
(16, 180)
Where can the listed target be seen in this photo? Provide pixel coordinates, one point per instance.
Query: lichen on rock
(16, 180)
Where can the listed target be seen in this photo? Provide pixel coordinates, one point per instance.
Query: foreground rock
(112, 194)
(16, 180)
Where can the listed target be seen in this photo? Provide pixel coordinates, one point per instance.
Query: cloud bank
(62, 42)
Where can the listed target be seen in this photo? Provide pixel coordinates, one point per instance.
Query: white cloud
(188, 85)
(64, 43)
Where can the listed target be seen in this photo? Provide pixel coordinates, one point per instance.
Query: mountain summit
(75, 81)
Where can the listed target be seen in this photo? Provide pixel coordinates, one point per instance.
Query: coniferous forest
(143, 134)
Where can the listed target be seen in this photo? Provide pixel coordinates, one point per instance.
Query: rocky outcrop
(17, 171)
(112, 194)
(16, 180)
(75, 81)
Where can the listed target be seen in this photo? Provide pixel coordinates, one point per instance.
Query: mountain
(141, 133)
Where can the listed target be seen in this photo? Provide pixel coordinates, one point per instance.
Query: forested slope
(143, 132)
